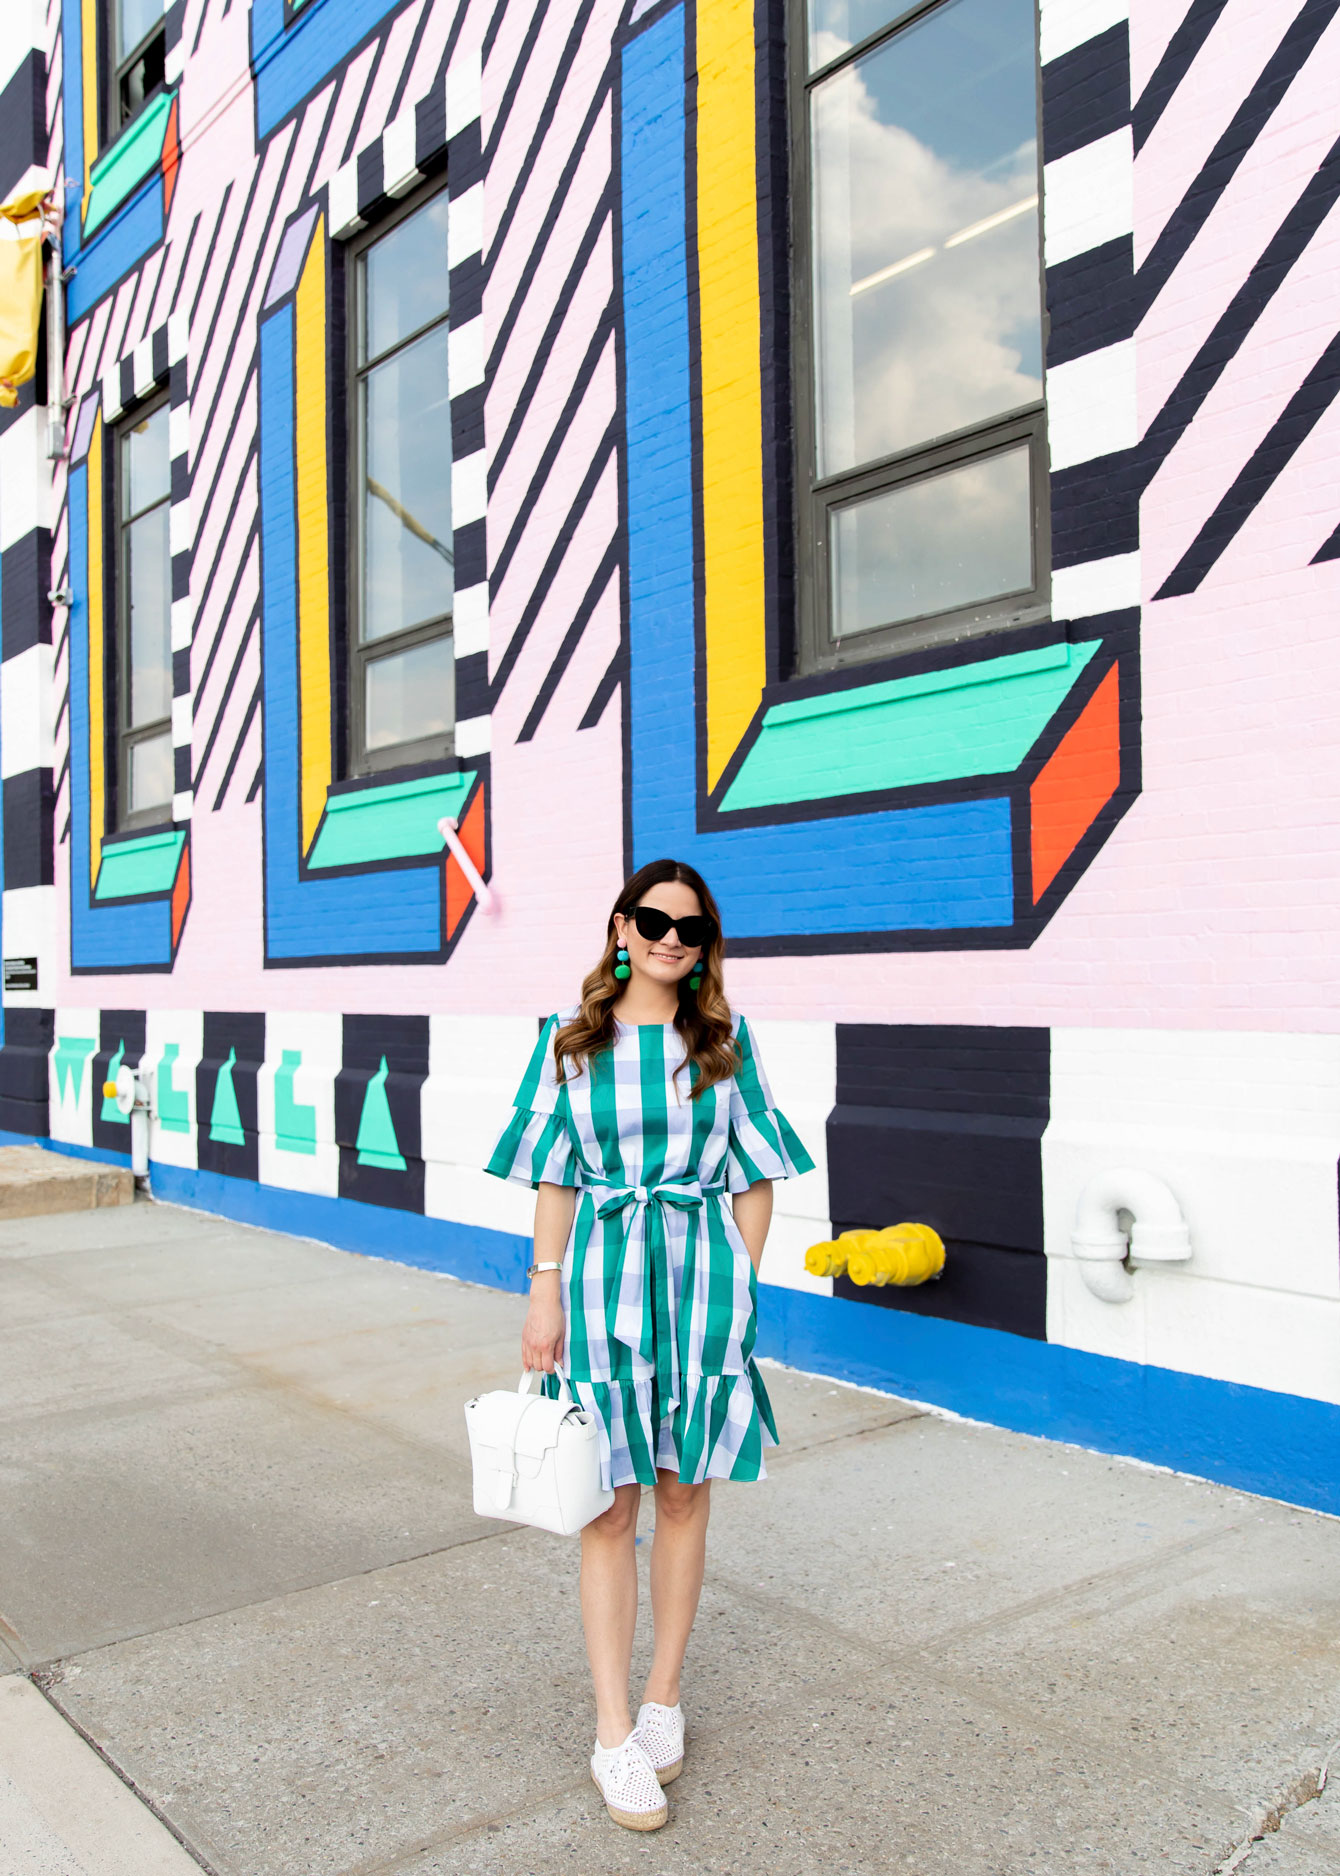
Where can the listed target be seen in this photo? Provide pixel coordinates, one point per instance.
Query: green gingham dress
(658, 1288)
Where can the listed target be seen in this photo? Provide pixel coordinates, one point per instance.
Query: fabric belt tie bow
(643, 1319)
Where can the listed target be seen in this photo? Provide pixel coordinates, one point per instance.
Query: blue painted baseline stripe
(1277, 1444)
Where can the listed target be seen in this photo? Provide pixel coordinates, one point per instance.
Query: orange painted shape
(459, 890)
(1077, 783)
(181, 893)
(171, 157)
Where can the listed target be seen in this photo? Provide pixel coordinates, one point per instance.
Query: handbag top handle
(533, 1374)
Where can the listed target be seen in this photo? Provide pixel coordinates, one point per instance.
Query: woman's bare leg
(678, 1554)
(609, 1610)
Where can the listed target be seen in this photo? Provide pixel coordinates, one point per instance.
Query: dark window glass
(405, 421)
(144, 621)
(139, 48)
(403, 694)
(410, 694)
(932, 545)
(925, 321)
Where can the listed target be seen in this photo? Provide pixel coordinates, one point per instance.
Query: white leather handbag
(536, 1461)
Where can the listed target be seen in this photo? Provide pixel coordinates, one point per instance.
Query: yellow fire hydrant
(903, 1254)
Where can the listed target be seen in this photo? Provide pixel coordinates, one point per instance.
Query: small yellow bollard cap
(828, 1259)
(109, 1089)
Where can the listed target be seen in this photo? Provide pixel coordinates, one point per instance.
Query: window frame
(361, 762)
(114, 70)
(125, 735)
(817, 497)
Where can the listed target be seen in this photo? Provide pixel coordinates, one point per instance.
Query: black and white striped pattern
(27, 519)
(1088, 218)
(465, 376)
(27, 516)
(23, 84)
(556, 650)
(174, 47)
(157, 360)
(446, 126)
(1220, 469)
(396, 161)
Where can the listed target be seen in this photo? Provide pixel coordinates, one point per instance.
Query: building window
(138, 49)
(142, 743)
(402, 688)
(920, 421)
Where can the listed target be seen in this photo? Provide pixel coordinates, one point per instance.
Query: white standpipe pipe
(139, 1142)
(130, 1091)
(447, 828)
(55, 349)
(1159, 1232)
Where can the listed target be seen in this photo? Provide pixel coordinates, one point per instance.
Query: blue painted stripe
(936, 868)
(102, 1156)
(119, 245)
(101, 936)
(497, 1258)
(1252, 1439)
(1278, 1444)
(72, 88)
(291, 61)
(389, 914)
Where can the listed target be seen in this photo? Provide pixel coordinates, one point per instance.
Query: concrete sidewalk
(237, 1551)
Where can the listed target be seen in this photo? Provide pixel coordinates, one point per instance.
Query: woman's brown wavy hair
(703, 1018)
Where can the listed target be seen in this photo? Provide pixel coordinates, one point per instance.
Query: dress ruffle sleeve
(763, 1144)
(535, 1147)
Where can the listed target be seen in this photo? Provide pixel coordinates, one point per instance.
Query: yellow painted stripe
(313, 538)
(732, 411)
(88, 61)
(97, 695)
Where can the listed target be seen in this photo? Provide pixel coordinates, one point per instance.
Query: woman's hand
(543, 1332)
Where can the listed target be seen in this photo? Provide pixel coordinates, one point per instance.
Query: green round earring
(696, 980)
(622, 968)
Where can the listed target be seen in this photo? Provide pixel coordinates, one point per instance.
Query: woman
(641, 1109)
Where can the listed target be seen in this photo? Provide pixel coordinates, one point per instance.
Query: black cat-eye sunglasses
(694, 931)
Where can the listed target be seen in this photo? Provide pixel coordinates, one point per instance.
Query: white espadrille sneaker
(626, 1780)
(661, 1731)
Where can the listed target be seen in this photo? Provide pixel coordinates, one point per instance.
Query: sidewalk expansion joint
(44, 1680)
(1049, 1600)
(53, 1664)
(796, 1449)
(478, 1826)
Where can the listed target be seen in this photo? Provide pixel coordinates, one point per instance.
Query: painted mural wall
(1008, 914)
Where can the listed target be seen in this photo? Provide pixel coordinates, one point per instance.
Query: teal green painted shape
(71, 1054)
(295, 1123)
(980, 719)
(110, 1111)
(174, 1104)
(376, 1142)
(225, 1122)
(132, 867)
(388, 823)
(130, 159)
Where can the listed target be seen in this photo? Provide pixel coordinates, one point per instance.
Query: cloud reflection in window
(926, 232)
